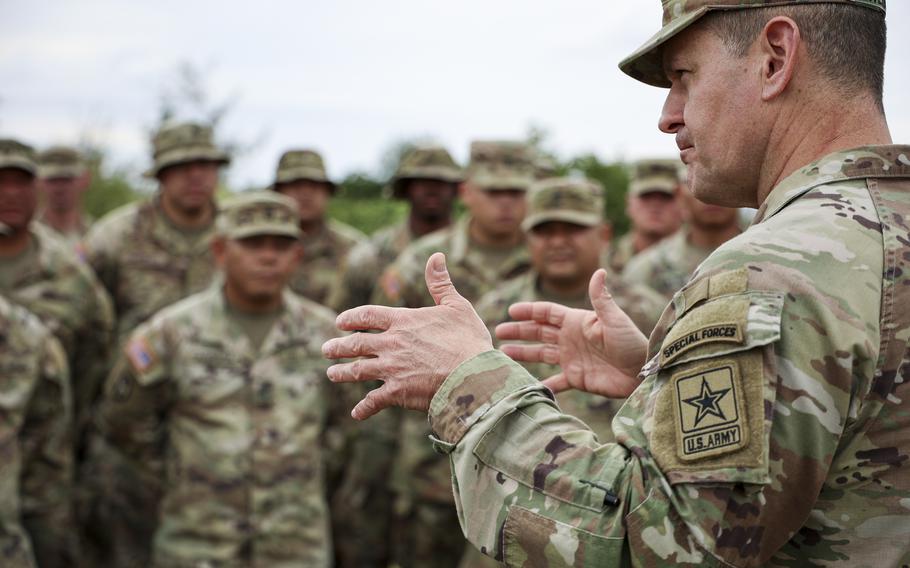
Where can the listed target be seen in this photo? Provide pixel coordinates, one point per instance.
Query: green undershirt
(13, 267)
(255, 325)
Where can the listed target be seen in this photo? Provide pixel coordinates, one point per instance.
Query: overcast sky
(350, 77)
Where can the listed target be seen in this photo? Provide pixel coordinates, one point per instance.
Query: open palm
(599, 351)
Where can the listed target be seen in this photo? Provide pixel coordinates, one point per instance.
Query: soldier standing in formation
(63, 178)
(653, 210)
(486, 247)
(668, 265)
(427, 178)
(766, 422)
(567, 241)
(41, 272)
(229, 387)
(35, 505)
(301, 176)
(149, 255)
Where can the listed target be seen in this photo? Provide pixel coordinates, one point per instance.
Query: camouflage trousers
(428, 535)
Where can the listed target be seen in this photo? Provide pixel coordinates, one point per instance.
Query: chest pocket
(714, 389)
(210, 376)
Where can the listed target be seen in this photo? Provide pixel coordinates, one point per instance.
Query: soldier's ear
(779, 45)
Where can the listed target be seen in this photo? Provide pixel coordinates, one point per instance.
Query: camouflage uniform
(35, 507)
(146, 263)
(65, 162)
(53, 284)
(647, 176)
(366, 262)
(426, 529)
(668, 265)
(327, 249)
(240, 430)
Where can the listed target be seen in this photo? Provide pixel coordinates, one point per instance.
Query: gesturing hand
(417, 349)
(600, 351)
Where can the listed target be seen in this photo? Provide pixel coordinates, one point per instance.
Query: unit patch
(725, 332)
(140, 355)
(710, 416)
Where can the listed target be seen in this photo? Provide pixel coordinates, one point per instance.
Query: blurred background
(360, 81)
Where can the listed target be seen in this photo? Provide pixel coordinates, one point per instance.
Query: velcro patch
(725, 332)
(710, 412)
(391, 284)
(141, 355)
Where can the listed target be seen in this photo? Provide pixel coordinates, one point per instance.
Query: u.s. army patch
(710, 412)
(141, 355)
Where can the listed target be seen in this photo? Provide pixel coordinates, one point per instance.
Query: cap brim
(23, 165)
(397, 187)
(214, 155)
(646, 63)
(574, 217)
(57, 172)
(259, 231)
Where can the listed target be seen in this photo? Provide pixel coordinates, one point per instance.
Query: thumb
(439, 283)
(601, 298)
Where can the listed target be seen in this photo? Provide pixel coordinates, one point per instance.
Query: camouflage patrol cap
(258, 213)
(16, 155)
(501, 165)
(646, 63)
(182, 143)
(570, 200)
(299, 165)
(425, 162)
(60, 162)
(650, 176)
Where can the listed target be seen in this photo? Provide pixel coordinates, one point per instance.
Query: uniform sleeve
(356, 279)
(135, 398)
(720, 453)
(100, 254)
(48, 453)
(403, 284)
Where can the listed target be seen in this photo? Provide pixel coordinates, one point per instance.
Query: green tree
(615, 179)
(108, 189)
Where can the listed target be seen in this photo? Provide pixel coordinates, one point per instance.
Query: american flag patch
(140, 354)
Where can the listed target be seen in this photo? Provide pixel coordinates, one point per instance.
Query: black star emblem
(706, 402)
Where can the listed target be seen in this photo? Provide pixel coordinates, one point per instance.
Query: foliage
(368, 215)
(107, 190)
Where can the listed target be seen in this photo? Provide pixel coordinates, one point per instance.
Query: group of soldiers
(167, 394)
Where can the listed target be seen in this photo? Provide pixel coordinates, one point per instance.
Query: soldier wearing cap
(39, 273)
(149, 255)
(766, 418)
(486, 248)
(153, 253)
(326, 242)
(223, 397)
(63, 178)
(428, 179)
(652, 207)
(669, 264)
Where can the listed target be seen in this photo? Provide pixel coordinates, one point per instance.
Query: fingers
(354, 345)
(439, 283)
(527, 331)
(557, 383)
(357, 371)
(366, 318)
(548, 354)
(372, 403)
(601, 298)
(541, 312)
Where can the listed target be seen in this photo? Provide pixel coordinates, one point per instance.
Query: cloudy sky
(350, 77)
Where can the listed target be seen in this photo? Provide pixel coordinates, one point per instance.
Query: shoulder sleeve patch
(141, 355)
(391, 284)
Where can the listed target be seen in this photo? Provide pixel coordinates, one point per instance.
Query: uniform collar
(858, 163)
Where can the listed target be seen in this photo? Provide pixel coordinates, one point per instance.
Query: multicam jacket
(69, 300)
(146, 263)
(772, 422)
(642, 304)
(324, 253)
(365, 264)
(666, 266)
(36, 520)
(241, 432)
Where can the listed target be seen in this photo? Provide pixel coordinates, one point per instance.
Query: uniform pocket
(531, 540)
